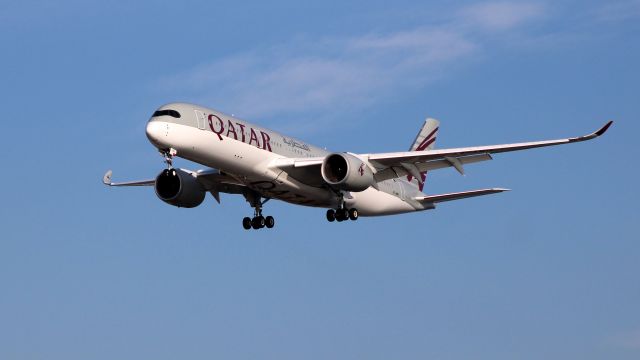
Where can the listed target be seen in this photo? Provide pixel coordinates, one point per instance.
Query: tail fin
(425, 140)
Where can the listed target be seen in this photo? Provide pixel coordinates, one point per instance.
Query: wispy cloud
(502, 15)
(346, 73)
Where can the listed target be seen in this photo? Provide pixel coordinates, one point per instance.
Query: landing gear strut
(168, 157)
(258, 221)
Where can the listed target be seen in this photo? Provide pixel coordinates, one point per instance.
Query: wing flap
(393, 172)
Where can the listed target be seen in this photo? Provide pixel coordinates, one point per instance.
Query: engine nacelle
(344, 171)
(178, 188)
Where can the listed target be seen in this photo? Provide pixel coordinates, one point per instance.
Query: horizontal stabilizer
(456, 196)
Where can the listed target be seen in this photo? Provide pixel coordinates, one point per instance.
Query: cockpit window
(171, 113)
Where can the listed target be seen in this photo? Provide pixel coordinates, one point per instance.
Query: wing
(107, 181)
(399, 164)
(212, 180)
(392, 165)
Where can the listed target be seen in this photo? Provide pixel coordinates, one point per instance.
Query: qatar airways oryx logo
(361, 169)
(239, 132)
(424, 144)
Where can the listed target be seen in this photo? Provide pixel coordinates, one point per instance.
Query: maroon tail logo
(428, 140)
(423, 175)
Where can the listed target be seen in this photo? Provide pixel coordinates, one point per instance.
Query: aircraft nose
(155, 132)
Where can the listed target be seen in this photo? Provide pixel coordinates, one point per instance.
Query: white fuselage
(247, 153)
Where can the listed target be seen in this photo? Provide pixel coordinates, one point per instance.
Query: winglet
(603, 129)
(500, 189)
(593, 135)
(107, 178)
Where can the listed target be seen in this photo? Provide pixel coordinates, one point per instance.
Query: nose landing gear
(168, 156)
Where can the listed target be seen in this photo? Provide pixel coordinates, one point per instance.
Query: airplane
(261, 164)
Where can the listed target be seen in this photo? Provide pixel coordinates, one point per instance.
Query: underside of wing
(216, 182)
(305, 170)
(211, 180)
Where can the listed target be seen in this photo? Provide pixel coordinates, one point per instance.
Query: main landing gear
(258, 221)
(342, 214)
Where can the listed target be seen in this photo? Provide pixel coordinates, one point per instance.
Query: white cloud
(358, 72)
(502, 15)
(346, 73)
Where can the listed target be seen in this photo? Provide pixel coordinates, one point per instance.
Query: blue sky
(549, 270)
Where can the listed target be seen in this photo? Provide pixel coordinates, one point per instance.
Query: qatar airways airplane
(260, 164)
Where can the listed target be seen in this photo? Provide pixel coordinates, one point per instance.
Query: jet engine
(345, 171)
(179, 188)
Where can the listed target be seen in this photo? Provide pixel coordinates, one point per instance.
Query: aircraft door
(201, 119)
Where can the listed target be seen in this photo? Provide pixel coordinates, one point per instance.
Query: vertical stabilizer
(425, 140)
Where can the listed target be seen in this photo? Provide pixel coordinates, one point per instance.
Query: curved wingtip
(604, 128)
(500, 189)
(107, 177)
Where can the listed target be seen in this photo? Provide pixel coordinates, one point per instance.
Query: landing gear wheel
(353, 214)
(246, 223)
(258, 222)
(270, 221)
(331, 215)
(344, 213)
